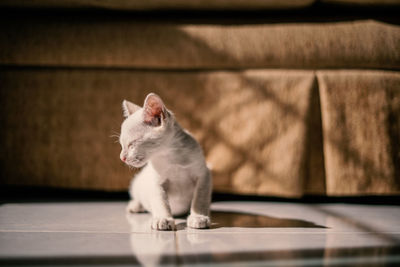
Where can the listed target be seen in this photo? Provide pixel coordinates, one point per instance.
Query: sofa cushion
(98, 42)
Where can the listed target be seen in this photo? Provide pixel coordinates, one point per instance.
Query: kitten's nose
(123, 158)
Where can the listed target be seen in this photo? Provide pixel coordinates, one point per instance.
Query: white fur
(175, 178)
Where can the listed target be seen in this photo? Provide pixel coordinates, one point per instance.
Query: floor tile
(67, 244)
(364, 217)
(106, 217)
(242, 233)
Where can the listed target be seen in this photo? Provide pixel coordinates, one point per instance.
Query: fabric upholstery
(261, 130)
(64, 41)
(251, 125)
(361, 129)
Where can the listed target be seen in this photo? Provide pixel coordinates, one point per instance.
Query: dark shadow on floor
(360, 224)
(355, 256)
(237, 219)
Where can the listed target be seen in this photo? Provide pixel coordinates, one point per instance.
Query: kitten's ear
(154, 110)
(129, 108)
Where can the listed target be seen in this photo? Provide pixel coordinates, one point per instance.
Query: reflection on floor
(239, 219)
(242, 233)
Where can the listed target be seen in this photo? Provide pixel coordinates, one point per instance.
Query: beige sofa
(286, 97)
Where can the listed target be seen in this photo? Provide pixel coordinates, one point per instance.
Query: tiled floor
(243, 233)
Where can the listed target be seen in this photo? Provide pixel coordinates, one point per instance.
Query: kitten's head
(144, 130)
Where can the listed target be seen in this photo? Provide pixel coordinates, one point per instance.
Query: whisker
(116, 136)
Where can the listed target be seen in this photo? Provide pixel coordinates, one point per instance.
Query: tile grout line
(68, 231)
(305, 233)
(178, 260)
(190, 233)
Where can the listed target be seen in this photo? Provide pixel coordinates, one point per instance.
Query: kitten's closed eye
(132, 144)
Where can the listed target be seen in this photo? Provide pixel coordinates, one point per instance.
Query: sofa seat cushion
(124, 43)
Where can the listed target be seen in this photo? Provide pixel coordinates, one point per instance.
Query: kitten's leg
(134, 206)
(200, 208)
(160, 209)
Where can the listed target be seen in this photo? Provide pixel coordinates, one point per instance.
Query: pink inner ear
(154, 109)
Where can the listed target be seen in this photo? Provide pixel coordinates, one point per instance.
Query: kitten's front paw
(163, 224)
(198, 221)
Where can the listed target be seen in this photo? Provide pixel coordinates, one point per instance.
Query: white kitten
(176, 177)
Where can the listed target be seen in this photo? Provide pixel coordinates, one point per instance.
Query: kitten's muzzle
(136, 163)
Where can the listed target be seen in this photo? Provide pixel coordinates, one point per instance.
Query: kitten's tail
(209, 166)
